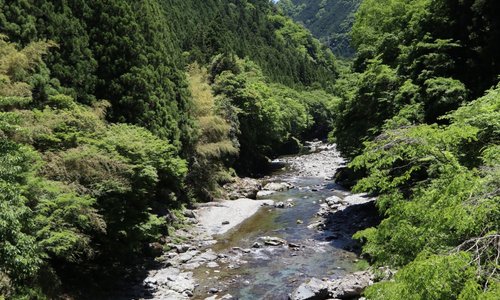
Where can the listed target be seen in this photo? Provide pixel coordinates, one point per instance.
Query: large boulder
(263, 194)
(313, 289)
(243, 188)
(277, 186)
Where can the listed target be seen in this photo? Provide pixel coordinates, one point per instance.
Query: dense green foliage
(75, 189)
(329, 20)
(422, 58)
(216, 144)
(286, 52)
(270, 116)
(438, 188)
(419, 124)
(88, 185)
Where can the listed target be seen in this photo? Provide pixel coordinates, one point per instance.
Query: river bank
(300, 227)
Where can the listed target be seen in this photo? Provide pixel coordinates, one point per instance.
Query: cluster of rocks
(331, 204)
(174, 280)
(349, 287)
(243, 188)
(250, 188)
(323, 163)
(336, 210)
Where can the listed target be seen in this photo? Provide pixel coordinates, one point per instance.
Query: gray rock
(256, 245)
(185, 257)
(191, 265)
(189, 214)
(277, 187)
(350, 286)
(279, 205)
(263, 194)
(243, 188)
(333, 200)
(209, 255)
(182, 284)
(314, 289)
(182, 248)
(212, 264)
(272, 241)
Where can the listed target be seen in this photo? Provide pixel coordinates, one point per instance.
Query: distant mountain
(328, 20)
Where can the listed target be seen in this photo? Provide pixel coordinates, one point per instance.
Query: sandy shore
(213, 218)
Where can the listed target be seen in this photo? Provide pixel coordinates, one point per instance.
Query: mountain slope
(330, 21)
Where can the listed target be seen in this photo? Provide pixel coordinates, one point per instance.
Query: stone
(189, 214)
(256, 245)
(212, 264)
(191, 266)
(182, 248)
(185, 257)
(313, 289)
(333, 200)
(243, 188)
(351, 286)
(300, 222)
(279, 205)
(263, 194)
(273, 241)
(225, 222)
(208, 255)
(277, 187)
(213, 290)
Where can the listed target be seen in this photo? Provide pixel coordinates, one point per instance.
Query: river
(240, 265)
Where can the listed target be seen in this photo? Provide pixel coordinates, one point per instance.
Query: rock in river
(263, 194)
(279, 205)
(277, 187)
(314, 289)
(273, 241)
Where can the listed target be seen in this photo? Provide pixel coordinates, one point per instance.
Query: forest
(329, 20)
(115, 115)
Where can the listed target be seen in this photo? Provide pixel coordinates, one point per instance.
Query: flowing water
(273, 272)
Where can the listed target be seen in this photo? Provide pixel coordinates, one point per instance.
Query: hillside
(116, 114)
(330, 21)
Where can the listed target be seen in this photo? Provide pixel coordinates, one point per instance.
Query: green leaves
(435, 198)
(428, 277)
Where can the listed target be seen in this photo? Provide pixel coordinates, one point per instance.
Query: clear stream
(273, 272)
